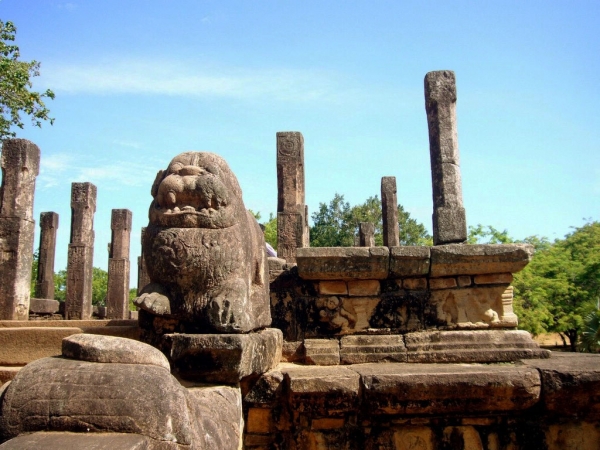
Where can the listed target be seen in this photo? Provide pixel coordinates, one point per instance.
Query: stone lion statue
(205, 253)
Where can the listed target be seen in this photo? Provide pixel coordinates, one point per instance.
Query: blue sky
(138, 82)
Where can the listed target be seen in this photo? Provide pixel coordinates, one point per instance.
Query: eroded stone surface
(321, 390)
(343, 263)
(358, 349)
(322, 352)
(218, 409)
(79, 441)
(472, 346)
(22, 345)
(448, 260)
(56, 394)
(224, 358)
(205, 253)
(389, 212)
(570, 384)
(43, 306)
(409, 261)
(446, 388)
(110, 349)
(44, 285)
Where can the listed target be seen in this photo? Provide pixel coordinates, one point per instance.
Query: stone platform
(551, 404)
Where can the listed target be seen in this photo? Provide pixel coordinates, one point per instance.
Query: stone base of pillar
(449, 225)
(223, 358)
(43, 306)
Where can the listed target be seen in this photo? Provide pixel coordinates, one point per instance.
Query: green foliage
(99, 286)
(132, 296)
(271, 231)
(336, 224)
(487, 235)
(557, 291)
(15, 85)
(34, 272)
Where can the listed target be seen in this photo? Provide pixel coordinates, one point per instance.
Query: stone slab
(223, 358)
(326, 391)
(343, 263)
(111, 349)
(79, 441)
(360, 349)
(472, 346)
(66, 323)
(322, 352)
(462, 259)
(20, 346)
(218, 409)
(59, 394)
(7, 373)
(398, 388)
(43, 306)
(129, 332)
(570, 384)
(409, 261)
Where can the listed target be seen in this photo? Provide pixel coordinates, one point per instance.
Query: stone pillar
(366, 234)
(20, 163)
(143, 277)
(449, 219)
(389, 211)
(44, 286)
(78, 303)
(292, 220)
(117, 295)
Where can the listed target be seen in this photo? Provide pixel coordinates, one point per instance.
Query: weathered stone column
(449, 219)
(117, 295)
(20, 163)
(78, 303)
(389, 210)
(44, 286)
(143, 277)
(366, 234)
(292, 220)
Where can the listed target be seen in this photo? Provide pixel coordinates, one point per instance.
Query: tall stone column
(117, 296)
(44, 286)
(78, 303)
(143, 277)
(449, 219)
(366, 233)
(20, 163)
(389, 211)
(292, 220)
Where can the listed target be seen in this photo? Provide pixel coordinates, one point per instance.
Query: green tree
(561, 285)
(271, 231)
(332, 224)
(336, 224)
(34, 272)
(15, 85)
(99, 285)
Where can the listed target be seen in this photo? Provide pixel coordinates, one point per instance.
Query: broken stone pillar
(449, 220)
(117, 294)
(389, 210)
(292, 220)
(20, 163)
(44, 286)
(366, 234)
(78, 302)
(143, 277)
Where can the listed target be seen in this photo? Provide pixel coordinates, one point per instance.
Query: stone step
(7, 373)
(21, 345)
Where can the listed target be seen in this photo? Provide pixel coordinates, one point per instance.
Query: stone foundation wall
(427, 406)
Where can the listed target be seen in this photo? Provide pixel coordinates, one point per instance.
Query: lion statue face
(198, 190)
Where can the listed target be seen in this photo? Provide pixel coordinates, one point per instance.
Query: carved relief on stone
(333, 314)
(205, 254)
(288, 145)
(477, 307)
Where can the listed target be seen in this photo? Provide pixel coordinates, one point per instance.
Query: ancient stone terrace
(353, 356)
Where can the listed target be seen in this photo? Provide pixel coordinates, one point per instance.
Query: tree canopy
(15, 85)
(337, 223)
(559, 290)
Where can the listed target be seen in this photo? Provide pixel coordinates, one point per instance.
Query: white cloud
(62, 168)
(173, 78)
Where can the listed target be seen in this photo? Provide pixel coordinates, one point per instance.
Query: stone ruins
(365, 347)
